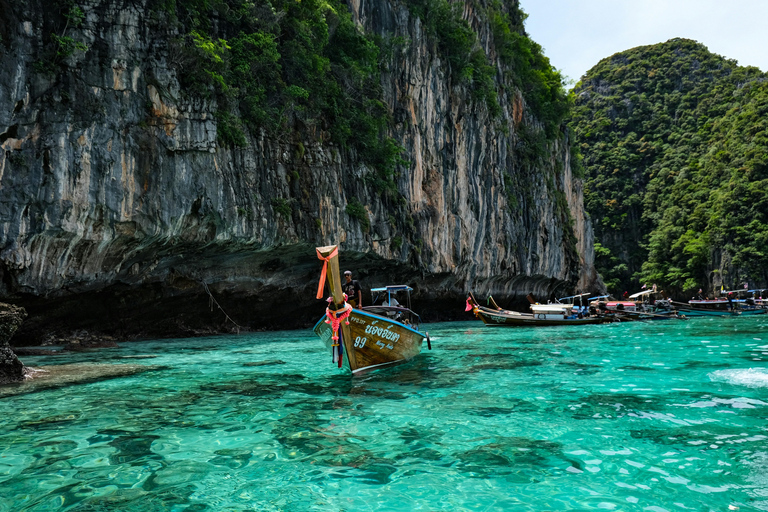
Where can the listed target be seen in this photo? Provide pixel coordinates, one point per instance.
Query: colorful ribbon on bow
(325, 259)
(335, 318)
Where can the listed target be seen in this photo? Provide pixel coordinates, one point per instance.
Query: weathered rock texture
(11, 369)
(119, 212)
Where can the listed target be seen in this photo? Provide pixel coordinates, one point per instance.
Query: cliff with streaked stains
(121, 212)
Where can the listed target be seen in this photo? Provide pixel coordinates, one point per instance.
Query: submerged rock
(264, 363)
(11, 369)
(58, 375)
(26, 351)
(89, 346)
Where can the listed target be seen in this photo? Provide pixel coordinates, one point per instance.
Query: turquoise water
(657, 416)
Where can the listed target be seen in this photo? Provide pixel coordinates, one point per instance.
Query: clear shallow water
(658, 416)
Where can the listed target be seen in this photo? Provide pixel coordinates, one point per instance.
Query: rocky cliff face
(120, 212)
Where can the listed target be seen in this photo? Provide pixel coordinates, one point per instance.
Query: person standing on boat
(352, 288)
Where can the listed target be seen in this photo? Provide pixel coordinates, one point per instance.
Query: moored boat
(705, 307)
(643, 305)
(540, 315)
(368, 338)
(747, 302)
(723, 306)
(730, 303)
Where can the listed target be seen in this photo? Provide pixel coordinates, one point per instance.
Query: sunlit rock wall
(120, 212)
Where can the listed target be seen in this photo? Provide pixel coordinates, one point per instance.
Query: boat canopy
(551, 308)
(640, 294)
(599, 297)
(625, 305)
(574, 296)
(390, 290)
(393, 288)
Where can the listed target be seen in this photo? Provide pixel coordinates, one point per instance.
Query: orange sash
(325, 270)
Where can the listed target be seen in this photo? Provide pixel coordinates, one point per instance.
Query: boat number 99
(360, 342)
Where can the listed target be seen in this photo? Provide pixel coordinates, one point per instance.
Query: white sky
(577, 34)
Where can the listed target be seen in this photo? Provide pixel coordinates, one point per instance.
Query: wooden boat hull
(643, 316)
(705, 312)
(373, 342)
(754, 311)
(514, 319)
(692, 312)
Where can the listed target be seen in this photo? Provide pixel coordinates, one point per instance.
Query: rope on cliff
(212, 302)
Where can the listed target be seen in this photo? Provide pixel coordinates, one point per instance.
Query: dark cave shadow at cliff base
(249, 292)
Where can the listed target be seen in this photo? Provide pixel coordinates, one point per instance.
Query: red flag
(469, 306)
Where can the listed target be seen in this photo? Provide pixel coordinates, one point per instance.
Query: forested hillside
(675, 154)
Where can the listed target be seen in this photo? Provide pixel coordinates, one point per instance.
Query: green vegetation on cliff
(284, 65)
(675, 145)
(527, 68)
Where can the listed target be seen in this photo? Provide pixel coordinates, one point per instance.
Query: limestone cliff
(120, 212)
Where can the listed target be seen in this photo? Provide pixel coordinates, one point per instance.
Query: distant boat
(540, 315)
(757, 300)
(372, 337)
(705, 307)
(638, 306)
(721, 306)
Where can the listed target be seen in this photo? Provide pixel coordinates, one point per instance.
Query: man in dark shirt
(353, 290)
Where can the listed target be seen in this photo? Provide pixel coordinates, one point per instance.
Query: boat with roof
(730, 303)
(555, 313)
(643, 305)
(368, 338)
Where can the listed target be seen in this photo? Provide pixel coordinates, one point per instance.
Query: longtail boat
(730, 303)
(719, 307)
(540, 315)
(368, 338)
(643, 305)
